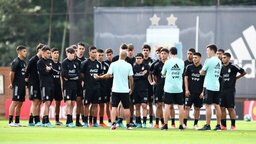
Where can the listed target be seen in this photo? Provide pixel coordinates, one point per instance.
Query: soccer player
(44, 67)
(18, 86)
(159, 90)
(148, 61)
(80, 49)
(140, 91)
(173, 72)
(229, 76)
(70, 76)
(56, 71)
(123, 76)
(90, 68)
(193, 89)
(220, 53)
(109, 57)
(32, 78)
(211, 69)
(104, 88)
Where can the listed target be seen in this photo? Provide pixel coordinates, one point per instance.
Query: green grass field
(245, 134)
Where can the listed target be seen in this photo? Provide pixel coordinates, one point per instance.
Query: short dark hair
(192, 50)
(146, 46)
(124, 46)
(100, 51)
(92, 48)
(212, 47)
(73, 46)
(197, 54)
(81, 44)
(227, 54)
(46, 48)
(173, 50)
(54, 49)
(109, 50)
(20, 47)
(70, 50)
(130, 47)
(139, 55)
(39, 46)
(164, 50)
(220, 50)
(159, 49)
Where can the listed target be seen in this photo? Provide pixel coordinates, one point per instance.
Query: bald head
(123, 55)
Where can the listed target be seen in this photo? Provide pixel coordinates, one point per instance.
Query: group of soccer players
(163, 82)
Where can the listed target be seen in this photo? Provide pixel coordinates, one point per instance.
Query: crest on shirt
(74, 66)
(142, 68)
(229, 70)
(104, 68)
(97, 66)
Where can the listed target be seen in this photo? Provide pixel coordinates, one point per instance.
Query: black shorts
(195, 99)
(212, 97)
(34, 92)
(139, 97)
(70, 94)
(123, 97)
(173, 98)
(47, 93)
(79, 89)
(150, 93)
(18, 93)
(57, 94)
(92, 95)
(228, 98)
(159, 93)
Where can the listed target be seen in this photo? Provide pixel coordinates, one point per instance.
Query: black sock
(30, 118)
(233, 122)
(157, 121)
(17, 119)
(37, 119)
(144, 120)
(185, 121)
(162, 120)
(120, 120)
(47, 119)
(117, 119)
(101, 119)
(68, 119)
(94, 120)
(86, 119)
(137, 120)
(10, 119)
(57, 118)
(223, 122)
(151, 119)
(127, 125)
(114, 123)
(140, 120)
(109, 120)
(71, 119)
(195, 121)
(83, 118)
(90, 119)
(44, 119)
(131, 119)
(173, 121)
(77, 118)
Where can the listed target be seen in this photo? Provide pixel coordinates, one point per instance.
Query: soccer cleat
(121, 125)
(181, 127)
(70, 125)
(109, 124)
(205, 128)
(90, 124)
(223, 127)
(233, 128)
(156, 126)
(165, 127)
(113, 127)
(18, 124)
(184, 126)
(103, 125)
(13, 124)
(129, 128)
(78, 124)
(85, 124)
(38, 124)
(217, 128)
(173, 126)
(196, 127)
(144, 125)
(58, 123)
(138, 125)
(132, 124)
(151, 125)
(95, 125)
(49, 125)
(31, 124)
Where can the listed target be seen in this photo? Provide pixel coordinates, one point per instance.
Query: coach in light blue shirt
(122, 86)
(173, 71)
(211, 70)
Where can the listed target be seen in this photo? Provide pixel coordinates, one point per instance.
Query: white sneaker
(13, 124)
(196, 127)
(109, 124)
(18, 124)
(184, 126)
